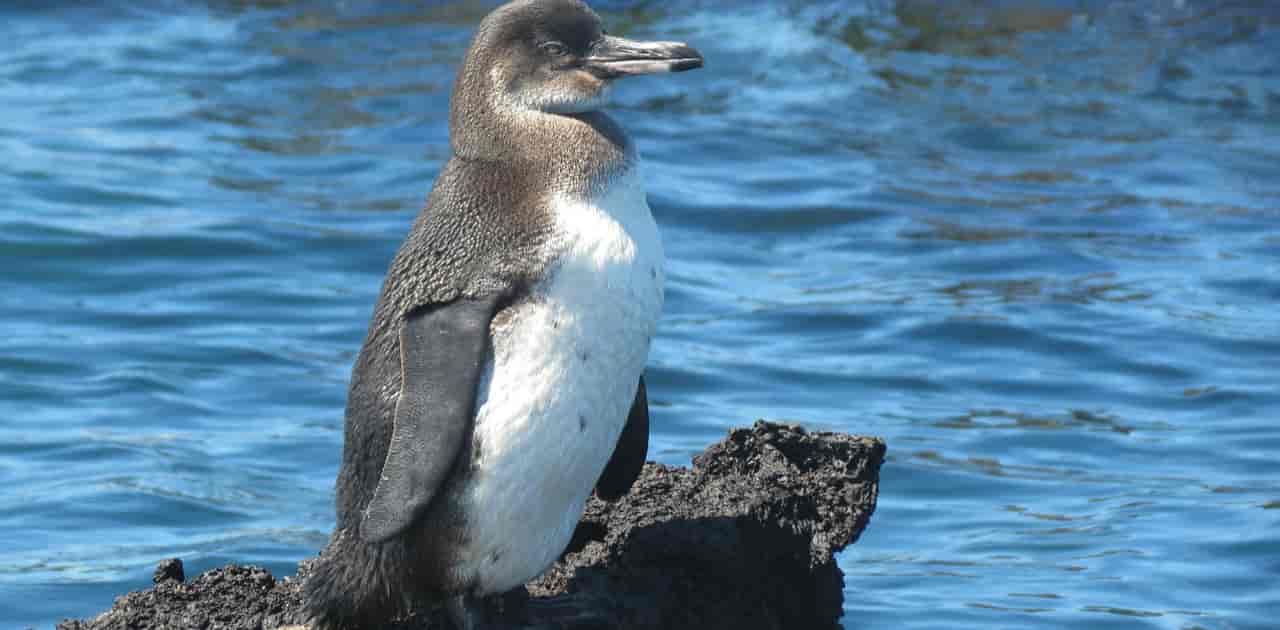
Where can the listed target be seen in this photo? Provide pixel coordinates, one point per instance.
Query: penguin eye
(555, 49)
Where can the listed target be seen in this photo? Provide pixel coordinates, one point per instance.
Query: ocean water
(1033, 244)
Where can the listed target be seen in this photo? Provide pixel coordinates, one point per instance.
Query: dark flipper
(628, 455)
(442, 349)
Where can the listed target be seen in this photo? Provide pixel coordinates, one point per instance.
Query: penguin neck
(586, 147)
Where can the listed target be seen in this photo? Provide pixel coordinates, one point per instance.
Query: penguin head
(555, 56)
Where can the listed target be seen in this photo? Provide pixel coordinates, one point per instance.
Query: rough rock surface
(744, 540)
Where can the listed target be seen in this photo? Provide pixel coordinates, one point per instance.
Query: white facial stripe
(563, 102)
(556, 99)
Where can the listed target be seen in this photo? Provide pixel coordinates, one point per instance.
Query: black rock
(743, 540)
(170, 569)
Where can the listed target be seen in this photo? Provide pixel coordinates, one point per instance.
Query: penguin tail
(352, 585)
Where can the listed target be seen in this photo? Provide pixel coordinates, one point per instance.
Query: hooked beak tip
(687, 63)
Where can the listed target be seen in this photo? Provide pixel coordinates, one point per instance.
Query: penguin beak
(614, 57)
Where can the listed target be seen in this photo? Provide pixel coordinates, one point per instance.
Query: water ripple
(1031, 243)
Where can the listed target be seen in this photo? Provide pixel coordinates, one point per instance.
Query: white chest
(565, 368)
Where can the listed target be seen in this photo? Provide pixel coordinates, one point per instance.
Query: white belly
(556, 395)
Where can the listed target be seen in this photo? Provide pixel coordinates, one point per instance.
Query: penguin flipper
(442, 350)
(628, 456)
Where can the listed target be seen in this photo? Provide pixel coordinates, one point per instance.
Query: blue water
(1032, 244)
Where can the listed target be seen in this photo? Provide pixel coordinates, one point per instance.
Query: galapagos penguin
(501, 377)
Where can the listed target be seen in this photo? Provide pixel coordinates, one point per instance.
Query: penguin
(501, 379)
